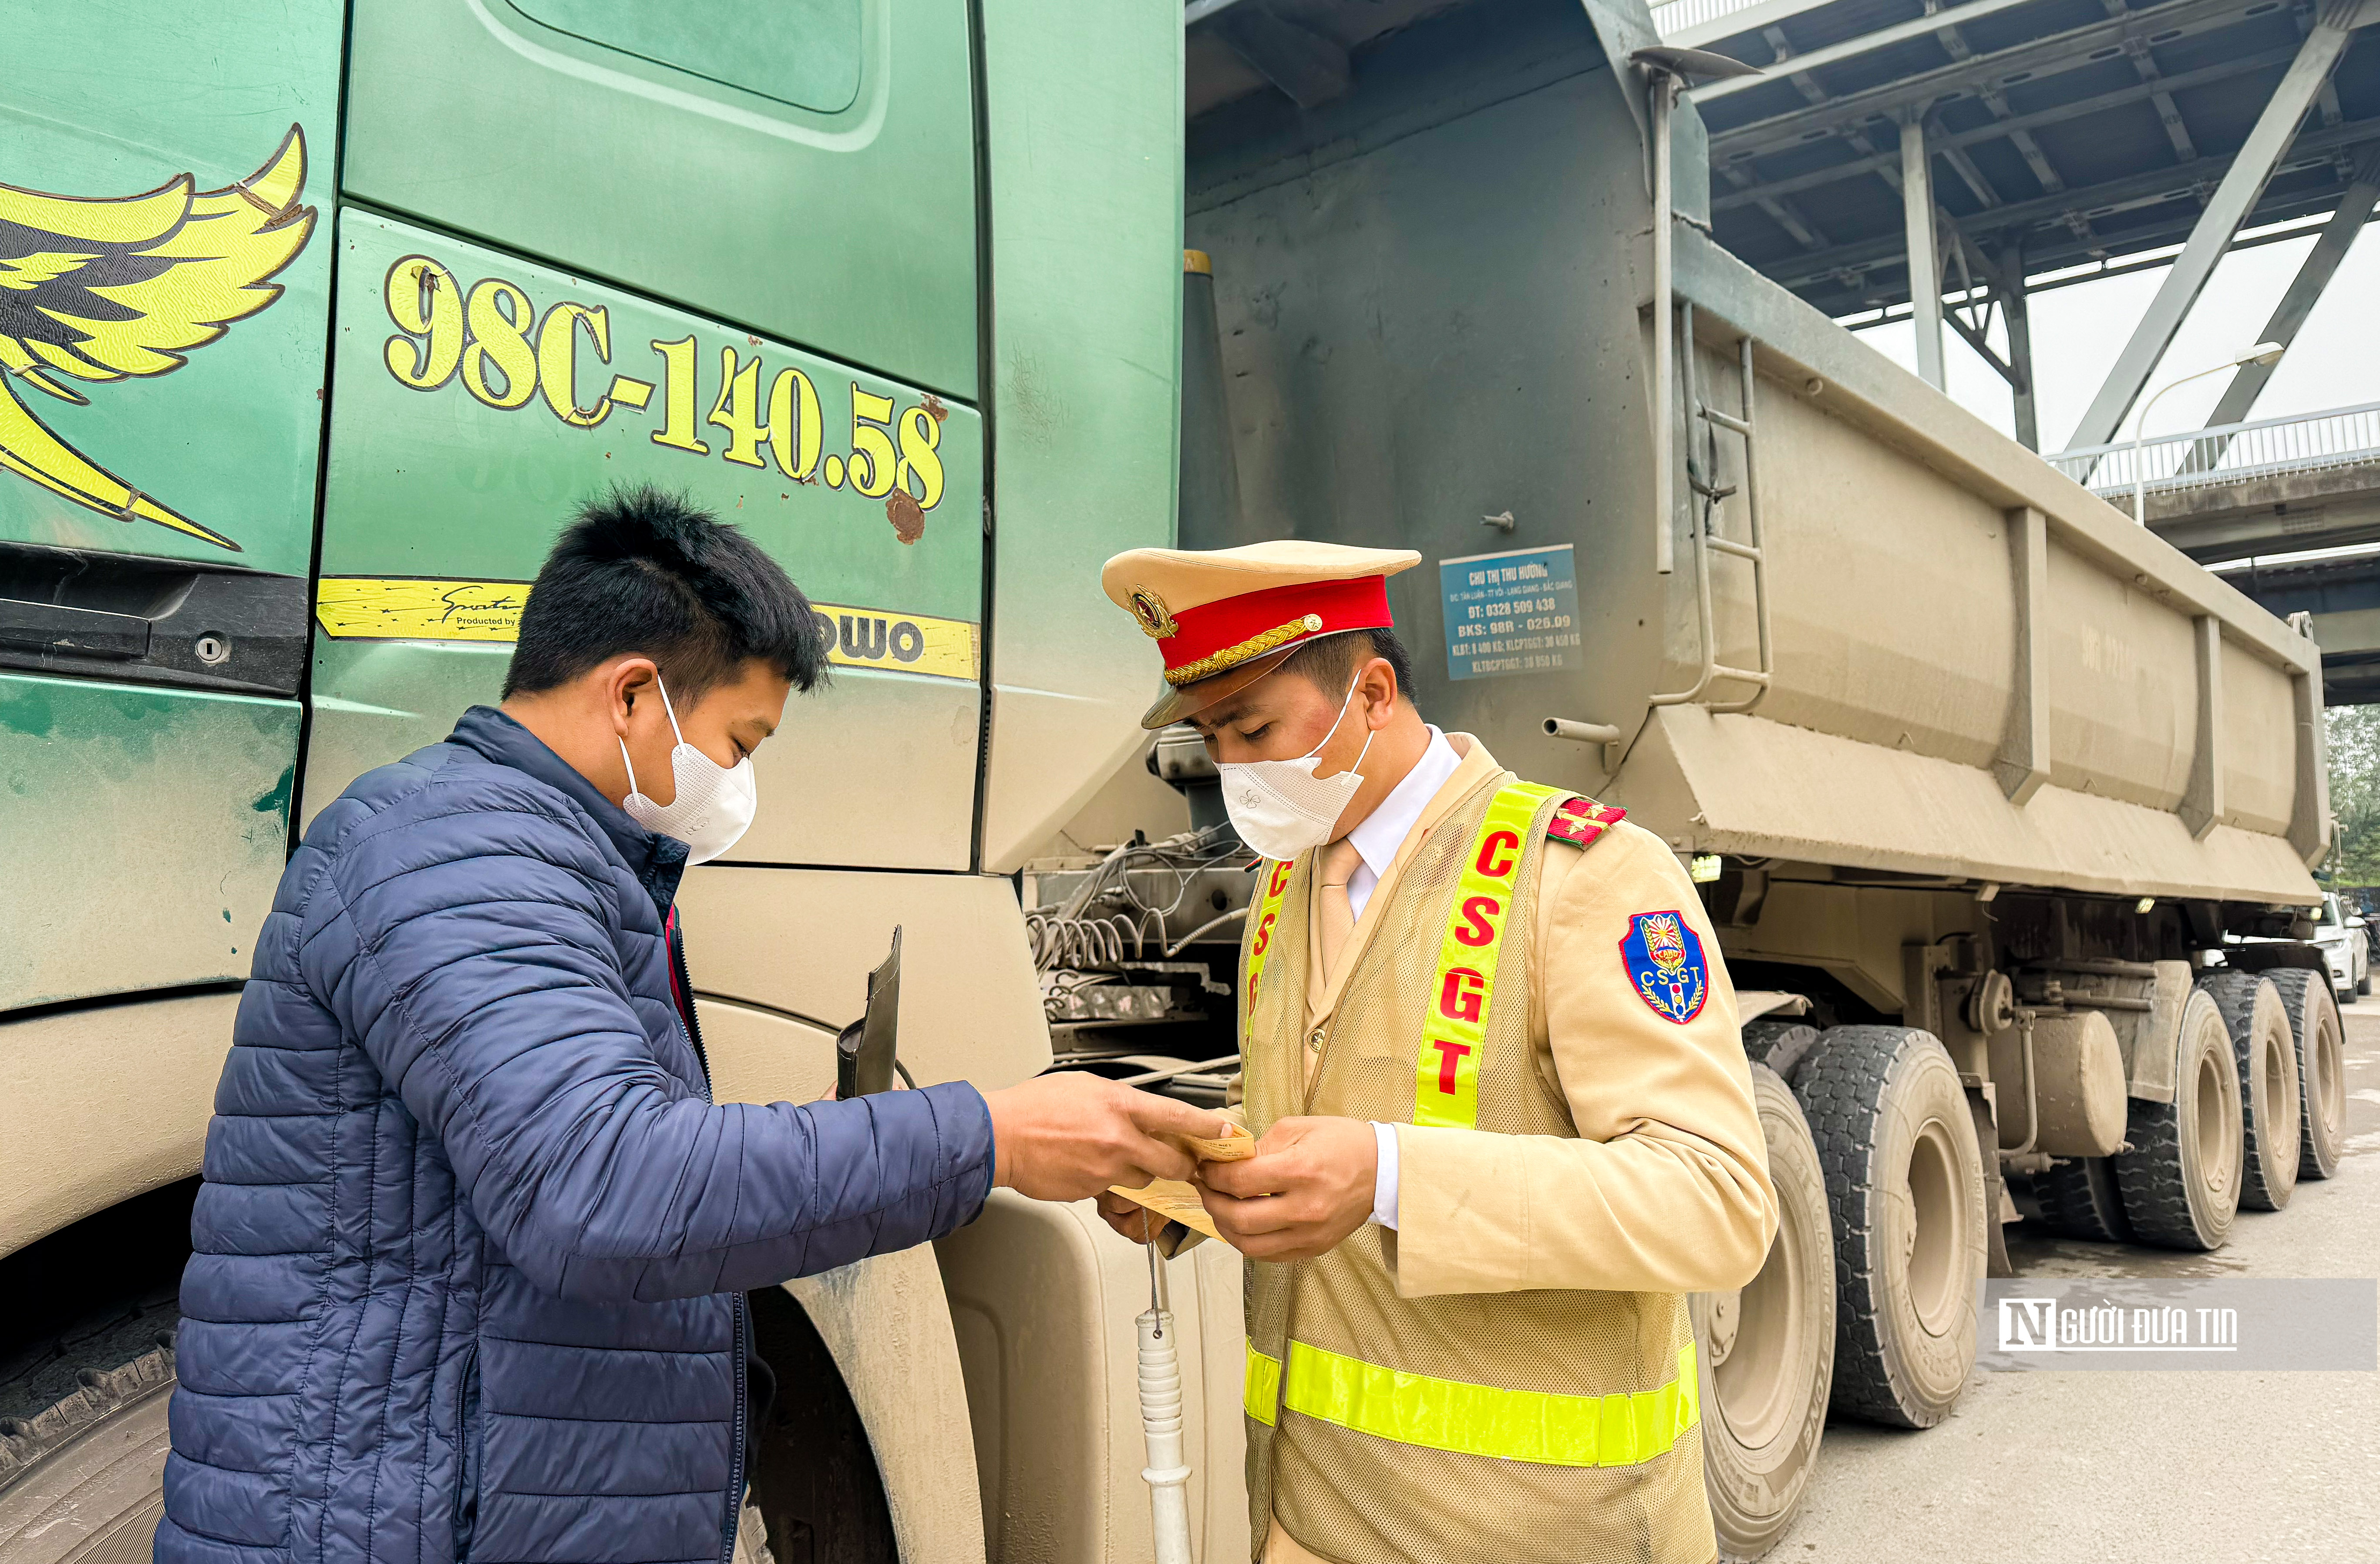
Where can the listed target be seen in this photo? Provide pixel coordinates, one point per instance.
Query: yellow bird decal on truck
(99, 290)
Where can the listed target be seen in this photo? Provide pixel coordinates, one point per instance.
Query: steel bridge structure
(1994, 148)
(2288, 510)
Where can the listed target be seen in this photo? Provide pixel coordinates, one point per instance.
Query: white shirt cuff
(1384, 1183)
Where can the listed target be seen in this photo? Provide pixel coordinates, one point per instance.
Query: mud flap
(2000, 1208)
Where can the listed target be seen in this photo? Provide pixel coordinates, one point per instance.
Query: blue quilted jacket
(472, 1246)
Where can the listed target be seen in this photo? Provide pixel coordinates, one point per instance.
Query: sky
(2078, 330)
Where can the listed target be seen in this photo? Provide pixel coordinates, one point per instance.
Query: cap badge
(1156, 621)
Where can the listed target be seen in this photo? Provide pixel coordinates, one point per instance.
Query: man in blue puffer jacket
(470, 1253)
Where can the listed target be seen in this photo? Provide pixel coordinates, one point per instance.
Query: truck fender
(887, 1322)
(2151, 1040)
(106, 1102)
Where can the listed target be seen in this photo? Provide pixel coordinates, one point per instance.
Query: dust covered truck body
(1977, 777)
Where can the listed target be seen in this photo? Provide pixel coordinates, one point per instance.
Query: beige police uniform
(1509, 1374)
(1642, 1179)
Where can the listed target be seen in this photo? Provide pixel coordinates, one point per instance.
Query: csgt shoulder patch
(1579, 820)
(1664, 959)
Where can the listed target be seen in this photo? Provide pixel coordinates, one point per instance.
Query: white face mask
(715, 804)
(1281, 807)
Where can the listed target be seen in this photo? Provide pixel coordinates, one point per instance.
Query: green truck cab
(314, 326)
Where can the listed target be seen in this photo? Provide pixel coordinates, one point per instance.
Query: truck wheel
(2079, 1199)
(2258, 1024)
(1768, 1350)
(83, 1479)
(1905, 1184)
(1780, 1045)
(752, 1539)
(2321, 1068)
(2181, 1180)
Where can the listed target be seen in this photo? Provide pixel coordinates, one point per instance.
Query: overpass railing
(2229, 452)
(1672, 17)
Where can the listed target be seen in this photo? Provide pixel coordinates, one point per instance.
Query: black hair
(1330, 663)
(639, 570)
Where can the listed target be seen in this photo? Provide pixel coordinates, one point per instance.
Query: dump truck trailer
(1977, 776)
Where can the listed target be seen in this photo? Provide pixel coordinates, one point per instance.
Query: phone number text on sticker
(1514, 612)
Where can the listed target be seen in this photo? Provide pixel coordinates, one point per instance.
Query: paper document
(1177, 1203)
(1173, 1202)
(1235, 1145)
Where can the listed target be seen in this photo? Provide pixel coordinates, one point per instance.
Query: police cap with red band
(1225, 618)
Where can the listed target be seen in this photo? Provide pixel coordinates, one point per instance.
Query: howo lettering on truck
(313, 327)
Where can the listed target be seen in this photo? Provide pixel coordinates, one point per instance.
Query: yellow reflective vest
(1506, 1425)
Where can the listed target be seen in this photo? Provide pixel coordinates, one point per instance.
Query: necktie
(1339, 862)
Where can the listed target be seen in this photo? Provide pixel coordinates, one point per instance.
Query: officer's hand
(1069, 1136)
(1309, 1186)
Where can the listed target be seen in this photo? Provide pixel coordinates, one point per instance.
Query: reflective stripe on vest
(1275, 875)
(1622, 1429)
(1262, 1391)
(1446, 1071)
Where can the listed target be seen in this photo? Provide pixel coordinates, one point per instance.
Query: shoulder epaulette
(1579, 820)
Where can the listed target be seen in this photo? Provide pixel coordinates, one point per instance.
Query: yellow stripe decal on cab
(1622, 1429)
(1446, 1070)
(409, 608)
(380, 608)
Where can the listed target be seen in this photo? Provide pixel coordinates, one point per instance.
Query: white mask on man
(715, 804)
(1281, 807)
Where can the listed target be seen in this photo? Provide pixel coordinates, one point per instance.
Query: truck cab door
(724, 249)
(164, 259)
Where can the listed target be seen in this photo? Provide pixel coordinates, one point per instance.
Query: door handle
(198, 625)
(78, 632)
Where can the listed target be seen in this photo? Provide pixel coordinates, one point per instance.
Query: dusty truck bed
(1980, 668)
(1434, 305)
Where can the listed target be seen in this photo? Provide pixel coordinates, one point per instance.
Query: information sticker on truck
(1513, 612)
(434, 609)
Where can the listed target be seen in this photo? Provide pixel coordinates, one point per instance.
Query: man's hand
(1069, 1136)
(1308, 1187)
(1130, 1219)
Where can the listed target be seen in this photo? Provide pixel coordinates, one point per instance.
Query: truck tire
(1780, 1045)
(2267, 1055)
(752, 1539)
(2321, 1068)
(1768, 1350)
(2079, 1199)
(1905, 1185)
(83, 1479)
(2180, 1180)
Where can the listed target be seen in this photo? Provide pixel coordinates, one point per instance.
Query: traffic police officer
(1506, 1123)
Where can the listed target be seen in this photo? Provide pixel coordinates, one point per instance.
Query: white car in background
(2339, 934)
(2345, 949)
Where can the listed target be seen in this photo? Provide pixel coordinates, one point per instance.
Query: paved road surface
(2110, 1468)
